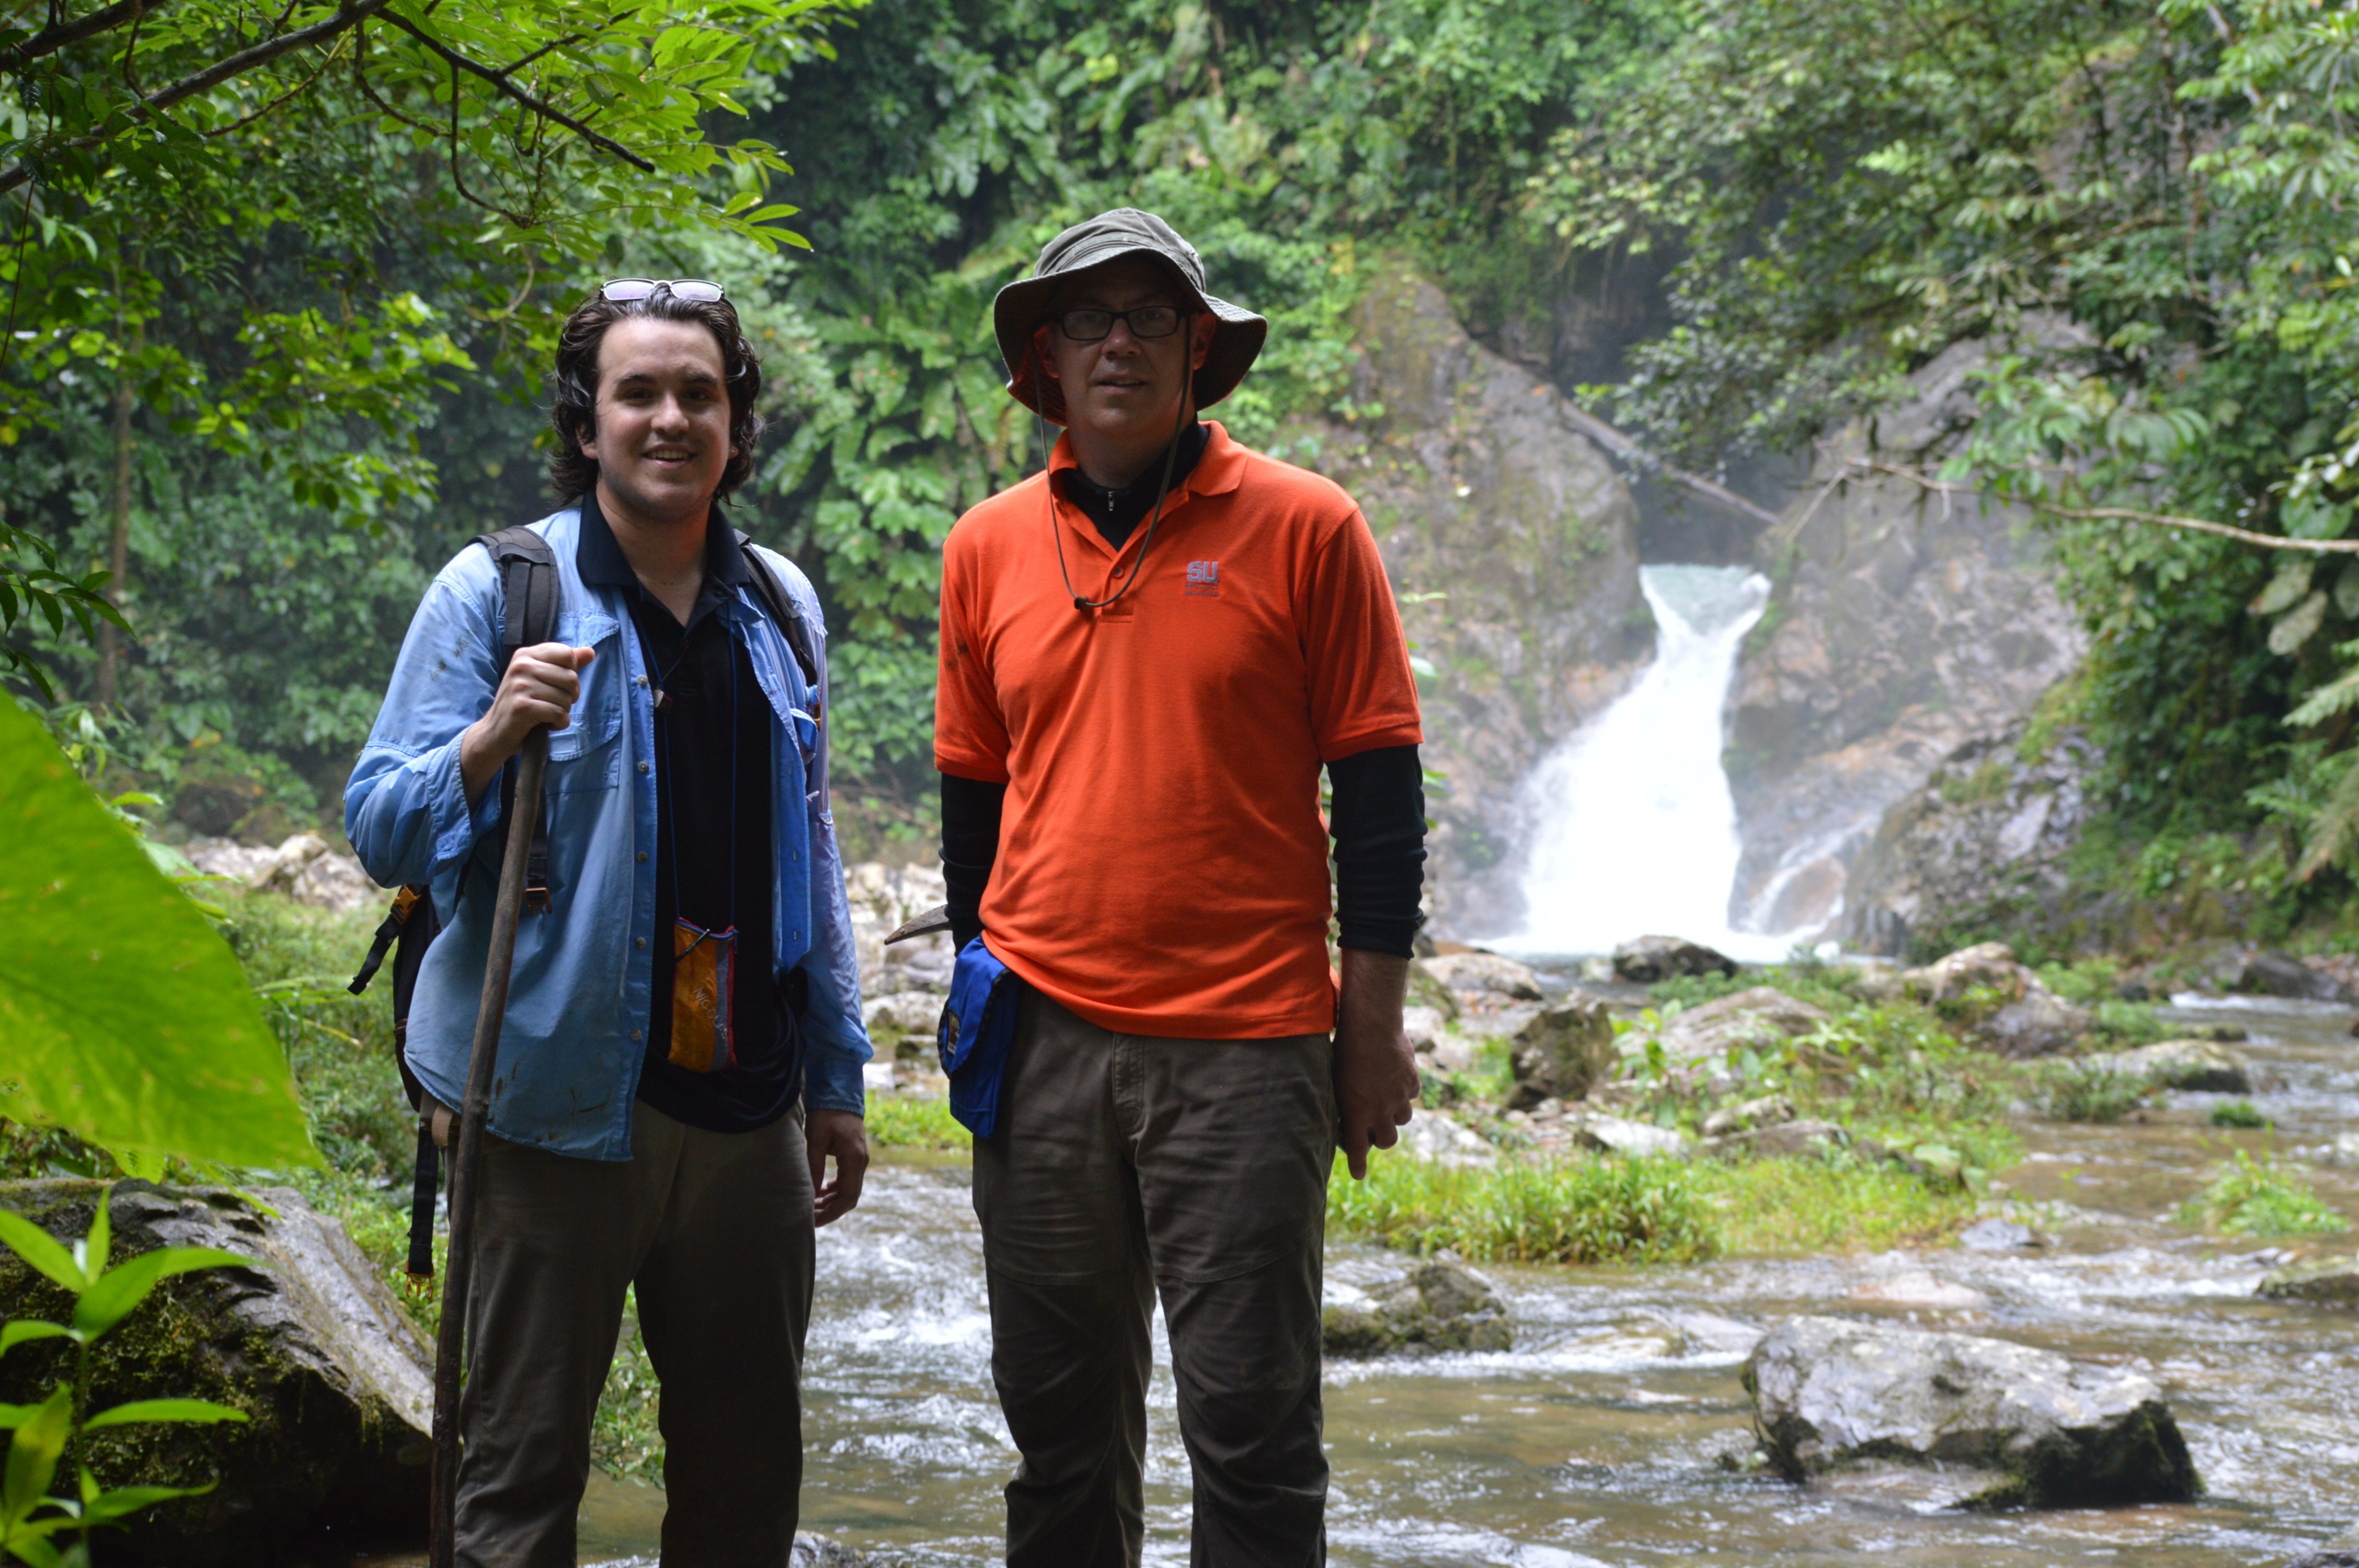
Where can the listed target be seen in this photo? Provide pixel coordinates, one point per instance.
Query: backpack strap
(783, 609)
(527, 569)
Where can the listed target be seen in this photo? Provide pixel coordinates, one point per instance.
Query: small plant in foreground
(1573, 1211)
(30, 1519)
(2082, 1091)
(905, 1122)
(2239, 1113)
(2260, 1198)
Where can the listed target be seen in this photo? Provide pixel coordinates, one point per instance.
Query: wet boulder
(1435, 1137)
(1631, 1139)
(1762, 1017)
(2037, 1024)
(2326, 1557)
(309, 1343)
(2266, 973)
(2199, 1064)
(2323, 1281)
(1485, 979)
(1562, 1053)
(1651, 958)
(2037, 1428)
(1768, 1110)
(1439, 1306)
(1997, 1235)
(812, 1551)
(1794, 1139)
(1988, 966)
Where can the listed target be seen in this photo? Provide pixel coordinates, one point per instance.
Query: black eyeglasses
(623, 290)
(1146, 321)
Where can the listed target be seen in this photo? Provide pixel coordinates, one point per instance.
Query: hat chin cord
(1057, 535)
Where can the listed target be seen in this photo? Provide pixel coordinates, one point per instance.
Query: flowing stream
(1596, 1440)
(1633, 828)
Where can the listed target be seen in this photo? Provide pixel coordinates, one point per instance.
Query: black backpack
(528, 570)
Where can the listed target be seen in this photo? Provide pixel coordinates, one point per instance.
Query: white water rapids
(1633, 828)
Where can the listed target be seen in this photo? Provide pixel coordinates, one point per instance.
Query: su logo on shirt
(1203, 580)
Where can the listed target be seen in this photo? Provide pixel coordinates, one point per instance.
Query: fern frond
(2336, 826)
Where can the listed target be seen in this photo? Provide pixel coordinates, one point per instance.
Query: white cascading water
(1634, 826)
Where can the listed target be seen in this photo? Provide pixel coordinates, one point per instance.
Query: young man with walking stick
(1148, 653)
(681, 1060)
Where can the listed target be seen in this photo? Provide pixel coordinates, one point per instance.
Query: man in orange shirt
(1148, 654)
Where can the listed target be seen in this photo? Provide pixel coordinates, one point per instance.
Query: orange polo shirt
(1162, 862)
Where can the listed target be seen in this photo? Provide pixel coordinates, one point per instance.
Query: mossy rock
(331, 1373)
(1442, 1305)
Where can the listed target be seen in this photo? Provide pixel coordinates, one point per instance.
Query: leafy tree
(2143, 212)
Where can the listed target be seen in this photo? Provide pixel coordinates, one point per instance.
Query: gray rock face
(1983, 843)
(1442, 1305)
(2321, 1282)
(812, 1551)
(2326, 1557)
(312, 1345)
(1477, 484)
(1766, 1111)
(2199, 1064)
(1651, 958)
(1562, 1053)
(1830, 1394)
(1902, 625)
(2028, 1019)
(1761, 1017)
(1995, 1235)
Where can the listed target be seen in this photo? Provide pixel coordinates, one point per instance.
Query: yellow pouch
(703, 993)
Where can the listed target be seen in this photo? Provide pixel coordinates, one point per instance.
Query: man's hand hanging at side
(1375, 1072)
(843, 1135)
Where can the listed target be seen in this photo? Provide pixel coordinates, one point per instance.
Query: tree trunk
(119, 544)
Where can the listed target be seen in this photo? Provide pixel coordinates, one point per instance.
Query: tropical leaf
(117, 1290)
(201, 1412)
(124, 1017)
(42, 1251)
(33, 1459)
(27, 1329)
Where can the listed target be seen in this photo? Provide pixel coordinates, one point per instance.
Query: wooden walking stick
(449, 1343)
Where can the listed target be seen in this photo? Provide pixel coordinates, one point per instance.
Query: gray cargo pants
(715, 1229)
(1126, 1164)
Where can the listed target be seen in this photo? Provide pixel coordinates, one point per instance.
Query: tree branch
(546, 111)
(212, 76)
(1630, 451)
(2131, 514)
(65, 35)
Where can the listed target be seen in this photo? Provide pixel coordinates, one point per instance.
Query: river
(1598, 1439)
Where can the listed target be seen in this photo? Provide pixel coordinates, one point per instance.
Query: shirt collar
(599, 557)
(1219, 471)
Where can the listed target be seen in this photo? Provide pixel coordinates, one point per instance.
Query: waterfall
(1633, 827)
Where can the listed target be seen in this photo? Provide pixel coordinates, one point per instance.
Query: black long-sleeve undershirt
(1377, 819)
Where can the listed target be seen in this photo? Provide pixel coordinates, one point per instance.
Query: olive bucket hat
(1021, 306)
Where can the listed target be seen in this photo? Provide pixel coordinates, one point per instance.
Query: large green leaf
(123, 1015)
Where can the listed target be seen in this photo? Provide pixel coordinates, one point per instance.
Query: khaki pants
(715, 1229)
(1126, 1165)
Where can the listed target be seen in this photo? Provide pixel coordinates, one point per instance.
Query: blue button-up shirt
(580, 996)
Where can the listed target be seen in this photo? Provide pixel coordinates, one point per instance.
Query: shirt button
(643, 767)
(639, 942)
(642, 857)
(634, 1035)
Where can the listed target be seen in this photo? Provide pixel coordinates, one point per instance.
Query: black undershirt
(692, 666)
(1116, 514)
(1377, 817)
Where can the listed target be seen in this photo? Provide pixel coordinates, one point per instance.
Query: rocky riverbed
(1617, 1431)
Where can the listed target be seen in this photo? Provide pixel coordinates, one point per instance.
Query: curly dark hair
(573, 383)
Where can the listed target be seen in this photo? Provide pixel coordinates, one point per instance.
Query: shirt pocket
(587, 755)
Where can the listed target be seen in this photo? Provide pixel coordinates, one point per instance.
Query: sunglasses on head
(623, 290)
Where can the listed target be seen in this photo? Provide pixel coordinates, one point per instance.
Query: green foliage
(1838, 1204)
(1580, 1211)
(123, 1018)
(42, 1435)
(2140, 214)
(2239, 1113)
(2090, 1091)
(2260, 1198)
(901, 1121)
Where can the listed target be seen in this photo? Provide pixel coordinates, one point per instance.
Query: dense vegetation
(283, 349)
